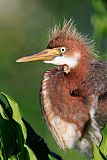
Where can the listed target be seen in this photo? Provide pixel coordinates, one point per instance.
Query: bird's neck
(71, 80)
(78, 75)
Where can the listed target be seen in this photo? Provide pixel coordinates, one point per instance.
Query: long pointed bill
(45, 55)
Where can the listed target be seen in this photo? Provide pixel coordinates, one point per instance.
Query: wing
(94, 89)
(72, 121)
(64, 112)
(96, 85)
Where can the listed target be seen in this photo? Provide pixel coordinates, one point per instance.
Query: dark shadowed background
(24, 28)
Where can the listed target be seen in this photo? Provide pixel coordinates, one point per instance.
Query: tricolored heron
(73, 94)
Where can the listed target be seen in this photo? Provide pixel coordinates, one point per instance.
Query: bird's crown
(60, 34)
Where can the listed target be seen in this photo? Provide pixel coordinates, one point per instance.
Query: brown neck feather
(77, 75)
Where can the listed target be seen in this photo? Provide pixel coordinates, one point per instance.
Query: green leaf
(13, 137)
(51, 158)
(7, 137)
(3, 113)
(101, 152)
(12, 158)
(103, 146)
(11, 116)
(16, 114)
(26, 154)
(1, 149)
(36, 143)
(97, 155)
(31, 153)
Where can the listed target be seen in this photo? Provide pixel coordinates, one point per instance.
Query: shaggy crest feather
(69, 30)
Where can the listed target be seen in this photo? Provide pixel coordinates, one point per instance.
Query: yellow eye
(63, 49)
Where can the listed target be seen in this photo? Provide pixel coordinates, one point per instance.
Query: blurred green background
(24, 28)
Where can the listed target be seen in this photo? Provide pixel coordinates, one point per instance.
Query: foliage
(17, 139)
(100, 153)
(99, 23)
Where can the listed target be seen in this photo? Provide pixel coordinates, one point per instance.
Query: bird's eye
(63, 49)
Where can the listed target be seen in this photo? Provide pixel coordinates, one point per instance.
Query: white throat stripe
(71, 61)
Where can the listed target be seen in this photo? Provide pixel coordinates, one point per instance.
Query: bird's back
(96, 82)
(100, 86)
(95, 86)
